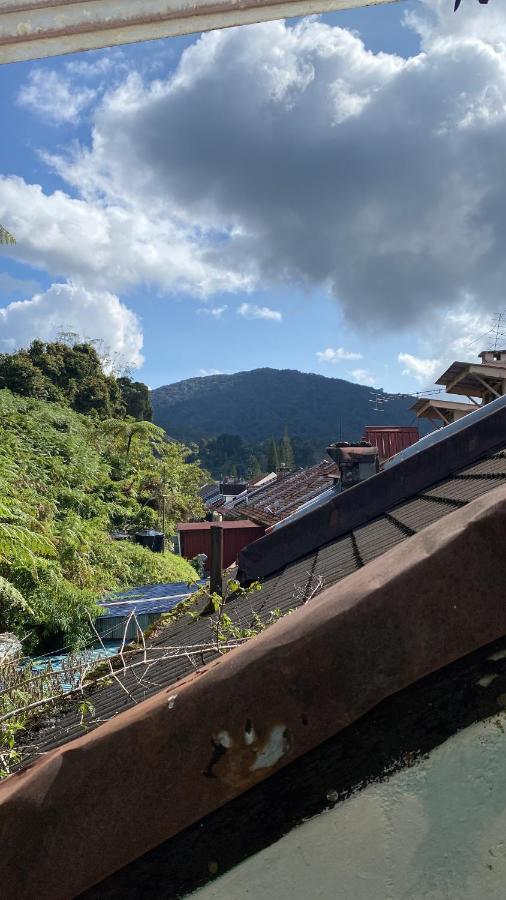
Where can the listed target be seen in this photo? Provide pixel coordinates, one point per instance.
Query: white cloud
(107, 245)
(215, 311)
(205, 372)
(252, 311)
(335, 356)
(279, 154)
(92, 314)
(421, 369)
(363, 376)
(54, 97)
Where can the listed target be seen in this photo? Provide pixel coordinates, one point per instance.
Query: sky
(324, 194)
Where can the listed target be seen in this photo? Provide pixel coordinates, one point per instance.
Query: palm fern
(6, 237)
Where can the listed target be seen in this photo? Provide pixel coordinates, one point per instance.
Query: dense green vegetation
(66, 480)
(73, 372)
(262, 403)
(230, 455)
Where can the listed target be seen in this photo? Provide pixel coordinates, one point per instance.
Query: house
(389, 667)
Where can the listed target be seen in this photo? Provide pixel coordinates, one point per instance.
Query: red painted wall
(198, 540)
(391, 439)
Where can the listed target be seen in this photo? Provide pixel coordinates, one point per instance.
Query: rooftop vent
(357, 461)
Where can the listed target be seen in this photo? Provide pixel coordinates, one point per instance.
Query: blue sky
(309, 195)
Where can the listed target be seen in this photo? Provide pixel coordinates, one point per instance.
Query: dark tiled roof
(190, 643)
(273, 502)
(444, 471)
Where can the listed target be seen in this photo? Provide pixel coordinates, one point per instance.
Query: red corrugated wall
(391, 439)
(234, 539)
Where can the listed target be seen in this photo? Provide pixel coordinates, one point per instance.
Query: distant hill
(263, 402)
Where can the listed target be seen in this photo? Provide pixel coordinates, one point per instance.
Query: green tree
(135, 396)
(286, 451)
(64, 372)
(272, 456)
(64, 486)
(6, 237)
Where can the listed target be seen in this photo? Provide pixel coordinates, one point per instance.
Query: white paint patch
(171, 701)
(274, 749)
(249, 736)
(224, 739)
(486, 680)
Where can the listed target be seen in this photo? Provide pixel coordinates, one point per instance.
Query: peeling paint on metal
(31, 30)
(276, 746)
(224, 739)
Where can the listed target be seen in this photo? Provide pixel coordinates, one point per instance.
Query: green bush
(66, 481)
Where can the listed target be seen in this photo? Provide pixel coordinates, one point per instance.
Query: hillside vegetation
(261, 404)
(67, 480)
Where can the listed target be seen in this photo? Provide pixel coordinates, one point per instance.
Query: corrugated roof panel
(417, 514)
(463, 490)
(376, 538)
(496, 465)
(336, 560)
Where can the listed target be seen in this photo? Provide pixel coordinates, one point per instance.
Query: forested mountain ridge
(264, 402)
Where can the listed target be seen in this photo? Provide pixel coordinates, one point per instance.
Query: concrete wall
(435, 831)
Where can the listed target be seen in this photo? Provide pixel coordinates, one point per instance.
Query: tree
(71, 372)
(6, 237)
(286, 451)
(135, 396)
(127, 429)
(272, 456)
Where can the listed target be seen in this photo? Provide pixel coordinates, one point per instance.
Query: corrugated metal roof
(275, 501)
(152, 598)
(30, 29)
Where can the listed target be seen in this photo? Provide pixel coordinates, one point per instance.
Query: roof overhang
(435, 409)
(473, 380)
(30, 29)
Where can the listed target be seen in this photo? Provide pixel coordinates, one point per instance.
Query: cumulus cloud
(252, 311)
(451, 335)
(54, 97)
(363, 376)
(281, 154)
(421, 369)
(335, 356)
(107, 244)
(92, 314)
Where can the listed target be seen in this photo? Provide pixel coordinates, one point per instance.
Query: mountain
(263, 402)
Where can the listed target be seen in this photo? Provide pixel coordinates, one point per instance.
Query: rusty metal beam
(30, 30)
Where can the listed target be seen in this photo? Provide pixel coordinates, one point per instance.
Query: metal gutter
(30, 30)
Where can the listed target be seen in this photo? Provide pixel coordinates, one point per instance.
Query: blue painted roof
(150, 598)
